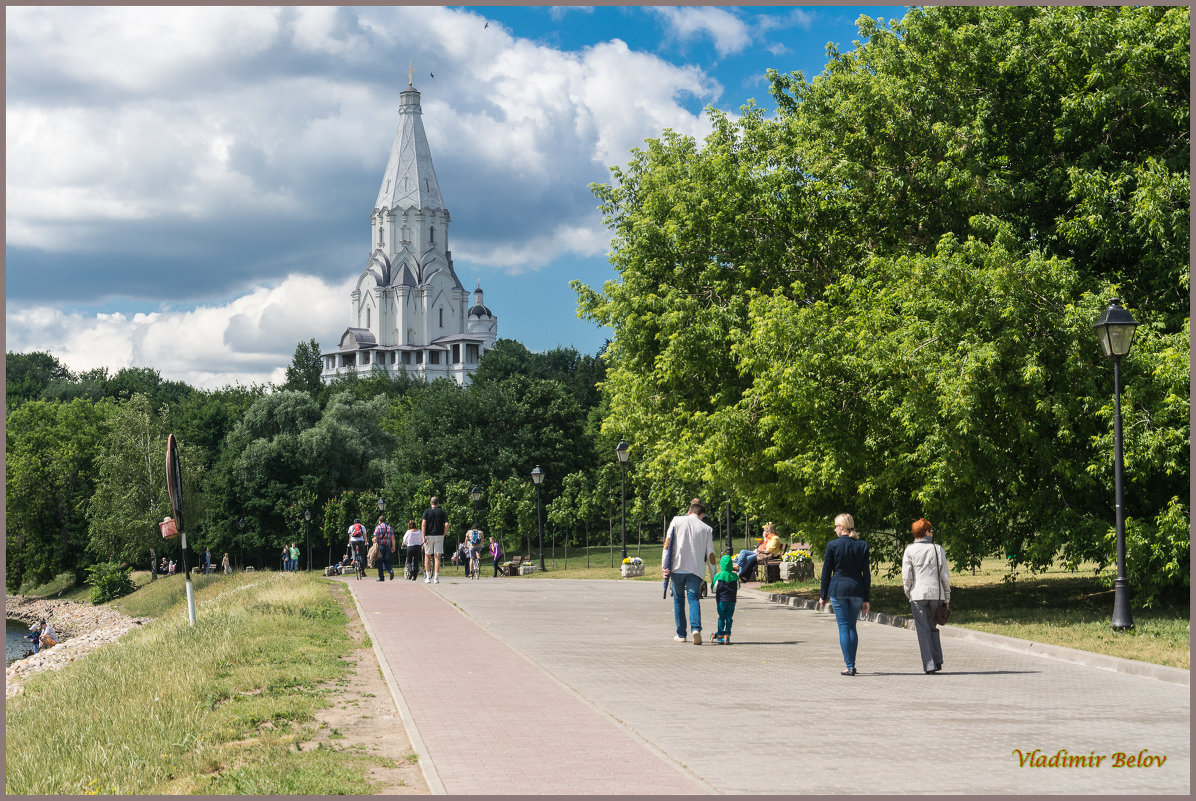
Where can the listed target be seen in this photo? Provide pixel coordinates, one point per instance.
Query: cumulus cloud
(209, 118)
(250, 339)
(729, 33)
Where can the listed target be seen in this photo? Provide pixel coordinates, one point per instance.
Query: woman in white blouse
(927, 585)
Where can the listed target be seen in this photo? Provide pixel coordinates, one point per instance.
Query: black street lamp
(475, 495)
(538, 479)
(241, 523)
(307, 535)
(621, 451)
(1115, 330)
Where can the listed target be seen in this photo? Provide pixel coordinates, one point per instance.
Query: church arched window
(367, 317)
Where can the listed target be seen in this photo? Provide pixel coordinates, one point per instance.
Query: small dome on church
(479, 308)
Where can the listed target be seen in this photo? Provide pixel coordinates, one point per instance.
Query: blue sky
(189, 189)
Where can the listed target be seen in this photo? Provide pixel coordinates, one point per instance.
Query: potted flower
(632, 566)
(796, 564)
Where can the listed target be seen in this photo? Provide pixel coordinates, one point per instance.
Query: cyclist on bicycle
(474, 539)
(357, 545)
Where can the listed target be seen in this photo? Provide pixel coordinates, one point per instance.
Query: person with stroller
(413, 545)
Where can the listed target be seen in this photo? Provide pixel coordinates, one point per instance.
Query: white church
(408, 310)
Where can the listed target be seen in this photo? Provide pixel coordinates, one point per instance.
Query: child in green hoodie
(726, 590)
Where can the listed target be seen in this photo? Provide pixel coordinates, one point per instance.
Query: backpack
(358, 530)
(475, 538)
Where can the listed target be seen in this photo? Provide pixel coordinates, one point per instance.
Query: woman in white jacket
(927, 585)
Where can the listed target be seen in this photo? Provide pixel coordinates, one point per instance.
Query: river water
(14, 645)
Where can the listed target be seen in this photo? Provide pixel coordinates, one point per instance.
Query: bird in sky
(487, 25)
(432, 74)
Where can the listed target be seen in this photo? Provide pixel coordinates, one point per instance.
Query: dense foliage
(880, 300)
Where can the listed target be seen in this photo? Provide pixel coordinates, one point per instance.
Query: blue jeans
(746, 560)
(686, 585)
(847, 611)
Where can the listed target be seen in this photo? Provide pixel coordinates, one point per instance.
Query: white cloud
(729, 33)
(249, 339)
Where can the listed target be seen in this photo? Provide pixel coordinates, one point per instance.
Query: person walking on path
(226, 565)
(496, 555)
(726, 591)
(413, 545)
(294, 558)
(385, 537)
(771, 546)
(927, 585)
(434, 526)
(207, 561)
(847, 582)
(690, 543)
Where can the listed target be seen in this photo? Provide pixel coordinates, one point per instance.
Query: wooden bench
(513, 568)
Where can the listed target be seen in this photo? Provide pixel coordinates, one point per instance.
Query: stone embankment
(82, 628)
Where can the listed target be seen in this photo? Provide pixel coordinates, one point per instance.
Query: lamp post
(538, 479)
(475, 495)
(1115, 330)
(307, 535)
(621, 451)
(241, 523)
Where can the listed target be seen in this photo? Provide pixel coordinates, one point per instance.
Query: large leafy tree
(880, 300)
(130, 497)
(51, 451)
(306, 367)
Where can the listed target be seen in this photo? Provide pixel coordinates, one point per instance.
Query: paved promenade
(579, 688)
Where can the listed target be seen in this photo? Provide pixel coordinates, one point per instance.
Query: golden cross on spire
(409, 72)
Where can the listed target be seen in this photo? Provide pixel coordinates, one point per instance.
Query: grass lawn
(1060, 607)
(219, 709)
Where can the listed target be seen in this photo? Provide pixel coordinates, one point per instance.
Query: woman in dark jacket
(847, 583)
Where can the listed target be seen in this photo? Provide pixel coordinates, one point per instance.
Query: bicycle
(358, 562)
(475, 562)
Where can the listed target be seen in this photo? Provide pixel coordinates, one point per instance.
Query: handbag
(943, 613)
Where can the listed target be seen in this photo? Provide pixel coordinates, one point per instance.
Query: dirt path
(362, 714)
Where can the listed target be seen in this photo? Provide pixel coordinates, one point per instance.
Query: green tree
(51, 451)
(881, 299)
(304, 371)
(27, 376)
(130, 497)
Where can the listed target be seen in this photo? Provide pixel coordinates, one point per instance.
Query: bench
(768, 569)
(513, 568)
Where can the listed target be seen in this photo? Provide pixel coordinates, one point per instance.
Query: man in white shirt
(688, 547)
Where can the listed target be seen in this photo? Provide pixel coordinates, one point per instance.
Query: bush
(108, 580)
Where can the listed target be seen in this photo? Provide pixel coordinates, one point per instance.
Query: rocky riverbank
(82, 627)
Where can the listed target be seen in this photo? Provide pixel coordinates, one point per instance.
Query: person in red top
(384, 536)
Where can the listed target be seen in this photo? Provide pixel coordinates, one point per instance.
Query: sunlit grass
(217, 708)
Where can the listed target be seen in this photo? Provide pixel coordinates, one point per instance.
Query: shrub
(108, 580)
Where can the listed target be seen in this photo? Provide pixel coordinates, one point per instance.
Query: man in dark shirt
(434, 526)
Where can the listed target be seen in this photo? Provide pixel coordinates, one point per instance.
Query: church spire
(410, 179)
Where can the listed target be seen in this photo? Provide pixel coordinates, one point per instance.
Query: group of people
(42, 635)
(424, 540)
(290, 558)
(846, 581)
